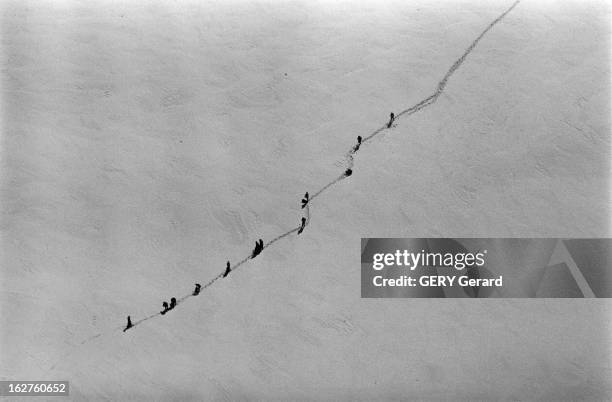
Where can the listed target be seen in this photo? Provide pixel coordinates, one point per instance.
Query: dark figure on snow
(129, 324)
(258, 248)
(228, 269)
(348, 172)
(305, 200)
(356, 147)
(391, 118)
(166, 308)
(303, 225)
(197, 289)
(172, 303)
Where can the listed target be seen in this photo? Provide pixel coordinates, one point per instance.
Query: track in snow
(349, 159)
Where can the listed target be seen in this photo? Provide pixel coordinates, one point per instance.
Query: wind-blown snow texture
(144, 145)
(350, 156)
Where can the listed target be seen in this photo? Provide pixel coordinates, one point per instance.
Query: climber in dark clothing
(348, 172)
(197, 289)
(356, 147)
(227, 270)
(129, 324)
(303, 225)
(258, 248)
(166, 308)
(305, 200)
(392, 117)
(172, 303)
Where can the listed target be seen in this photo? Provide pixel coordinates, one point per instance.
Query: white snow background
(144, 144)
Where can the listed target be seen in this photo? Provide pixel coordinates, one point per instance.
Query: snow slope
(143, 145)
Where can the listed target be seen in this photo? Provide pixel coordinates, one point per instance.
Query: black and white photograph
(305, 200)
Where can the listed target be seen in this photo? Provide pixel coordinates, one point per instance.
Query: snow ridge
(349, 159)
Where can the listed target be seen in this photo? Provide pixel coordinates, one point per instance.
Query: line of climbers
(259, 244)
